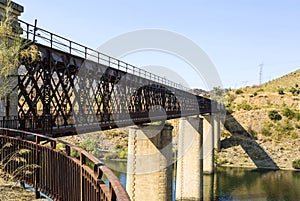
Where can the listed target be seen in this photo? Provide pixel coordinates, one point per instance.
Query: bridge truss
(72, 86)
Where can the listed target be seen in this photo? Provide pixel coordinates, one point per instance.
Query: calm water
(240, 184)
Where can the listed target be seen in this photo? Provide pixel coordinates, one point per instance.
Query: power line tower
(260, 72)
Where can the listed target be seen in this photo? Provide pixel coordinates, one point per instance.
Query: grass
(9, 188)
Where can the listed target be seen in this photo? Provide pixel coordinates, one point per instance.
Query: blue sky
(237, 35)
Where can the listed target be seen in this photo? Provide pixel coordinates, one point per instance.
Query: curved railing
(60, 175)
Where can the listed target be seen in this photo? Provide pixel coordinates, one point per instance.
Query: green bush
(90, 145)
(123, 153)
(75, 153)
(274, 115)
(111, 155)
(245, 106)
(239, 91)
(287, 112)
(294, 136)
(296, 164)
(294, 91)
(280, 91)
(297, 116)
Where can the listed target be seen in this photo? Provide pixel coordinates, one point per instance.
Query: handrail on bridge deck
(60, 175)
(44, 37)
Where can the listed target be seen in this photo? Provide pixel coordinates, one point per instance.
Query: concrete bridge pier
(208, 144)
(208, 186)
(149, 166)
(217, 131)
(189, 176)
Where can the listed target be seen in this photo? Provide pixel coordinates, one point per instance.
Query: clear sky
(237, 35)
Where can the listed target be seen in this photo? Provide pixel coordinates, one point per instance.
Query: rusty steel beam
(66, 91)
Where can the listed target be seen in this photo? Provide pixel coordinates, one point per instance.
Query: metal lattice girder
(71, 91)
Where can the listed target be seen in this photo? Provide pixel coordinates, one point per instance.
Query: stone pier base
(189, 164)
(149, 167)
(208, 144)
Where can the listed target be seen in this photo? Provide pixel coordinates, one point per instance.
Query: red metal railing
(60, 175)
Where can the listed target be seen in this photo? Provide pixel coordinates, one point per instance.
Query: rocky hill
(262, 127)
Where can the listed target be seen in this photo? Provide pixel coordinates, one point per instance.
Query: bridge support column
(208, 144)
(149, 166)
(217, 131)
(189, 176)
(208, 186)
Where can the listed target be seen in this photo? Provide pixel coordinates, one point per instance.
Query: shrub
(296, 164)
(90, 145)
(294, 91)
(239, 91)
(222, 161)
(229, 99)
(280, 91)
(287, 112)
(294, 136)
(245, 106)
(111, 155)
(75, 153)
(274, 115)
(297, 116)
(297, 126)
(265, 132)
(123, 153)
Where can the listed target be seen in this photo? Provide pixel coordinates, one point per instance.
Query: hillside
(262, 127)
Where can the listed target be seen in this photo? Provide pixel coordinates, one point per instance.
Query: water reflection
(239, 184)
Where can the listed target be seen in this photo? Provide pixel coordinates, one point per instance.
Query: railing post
(82, 162)
(34, 30)
(70, 47)
(112, 193)
(27, 31)
(51, 40)
(37, 172)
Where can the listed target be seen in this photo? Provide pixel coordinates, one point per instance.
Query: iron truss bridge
(72, 88)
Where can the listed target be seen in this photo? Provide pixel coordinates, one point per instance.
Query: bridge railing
(9, 122)
(60, 175)
(41, 36)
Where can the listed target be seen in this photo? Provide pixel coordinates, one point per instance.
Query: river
(239, 183)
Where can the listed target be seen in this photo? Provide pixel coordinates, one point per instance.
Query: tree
(13, 49)
(10, 46)
(218, 94)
